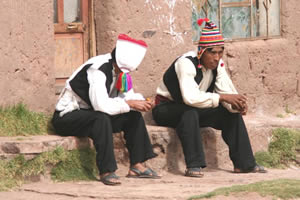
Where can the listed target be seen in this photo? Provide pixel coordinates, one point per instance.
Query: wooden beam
(60, 11)
(64, 28)
(85, 11)
(251, 19)
(92, 34)
(237, 4)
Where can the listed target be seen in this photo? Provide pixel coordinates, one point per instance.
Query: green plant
(288, 110)
(66, 166)
(280, 115)
(79, 165)
(281, 188)
(282, 149)
(266, 159)
(18, 120)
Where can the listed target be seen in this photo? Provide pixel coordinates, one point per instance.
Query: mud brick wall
(27, 53)
(267, 71)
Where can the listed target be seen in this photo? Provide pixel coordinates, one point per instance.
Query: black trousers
(187, 121)
(99, 127)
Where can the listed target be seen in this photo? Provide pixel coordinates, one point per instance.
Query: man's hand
(141, 105)
(243, 111)
(237, 101)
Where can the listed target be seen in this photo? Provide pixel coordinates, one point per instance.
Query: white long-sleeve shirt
(194, 94)
(113, 103)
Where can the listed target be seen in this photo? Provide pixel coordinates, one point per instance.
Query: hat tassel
(124, 82)
(201, 20)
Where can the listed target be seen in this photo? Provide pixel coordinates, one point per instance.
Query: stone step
(165, 143)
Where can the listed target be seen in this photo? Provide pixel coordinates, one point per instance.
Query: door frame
(84, 27)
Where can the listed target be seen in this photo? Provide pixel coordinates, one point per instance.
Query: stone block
(33, 145)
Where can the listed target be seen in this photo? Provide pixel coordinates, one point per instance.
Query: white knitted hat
(129, 53)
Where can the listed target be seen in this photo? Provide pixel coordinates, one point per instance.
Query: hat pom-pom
(201, 20)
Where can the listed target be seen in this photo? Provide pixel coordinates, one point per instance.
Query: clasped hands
(141, 105)
(238, 102)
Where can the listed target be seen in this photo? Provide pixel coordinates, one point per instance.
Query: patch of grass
(268, 160)
(18, 120)
(67, 166)
(281, 188)
(280, 115)
(282, 149)
(79, 165)
(289, 111)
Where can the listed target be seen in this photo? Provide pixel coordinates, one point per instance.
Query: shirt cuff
(125, 108)
(215, 100)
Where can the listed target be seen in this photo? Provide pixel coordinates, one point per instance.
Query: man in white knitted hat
(98, 100)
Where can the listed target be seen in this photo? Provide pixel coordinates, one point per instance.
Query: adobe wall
(27, 53)
(267, 71)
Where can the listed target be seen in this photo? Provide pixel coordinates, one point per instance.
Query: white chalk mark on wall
(169, 18)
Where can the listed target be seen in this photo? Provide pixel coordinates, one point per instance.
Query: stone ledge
(33, 145)
(165, 143)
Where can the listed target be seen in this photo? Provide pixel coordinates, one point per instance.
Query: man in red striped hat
(98, 100)
(197, 92)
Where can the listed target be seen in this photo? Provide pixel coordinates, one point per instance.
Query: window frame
(246, 3)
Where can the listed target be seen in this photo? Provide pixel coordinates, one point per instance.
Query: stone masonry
(165, 143)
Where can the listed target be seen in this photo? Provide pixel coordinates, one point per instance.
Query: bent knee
(135, 114)
(103, 117)
(191, 114)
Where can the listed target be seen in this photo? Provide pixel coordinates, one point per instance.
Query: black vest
(80, 84)
(171, 81)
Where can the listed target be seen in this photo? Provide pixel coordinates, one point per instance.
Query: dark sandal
(148, 173)
(256, 169)
(107, 180)
(194, 172)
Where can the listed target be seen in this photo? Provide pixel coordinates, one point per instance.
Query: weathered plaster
(166, 17)
(267, 71)
(27, 54)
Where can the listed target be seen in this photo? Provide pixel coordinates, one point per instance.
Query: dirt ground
(171, 186)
